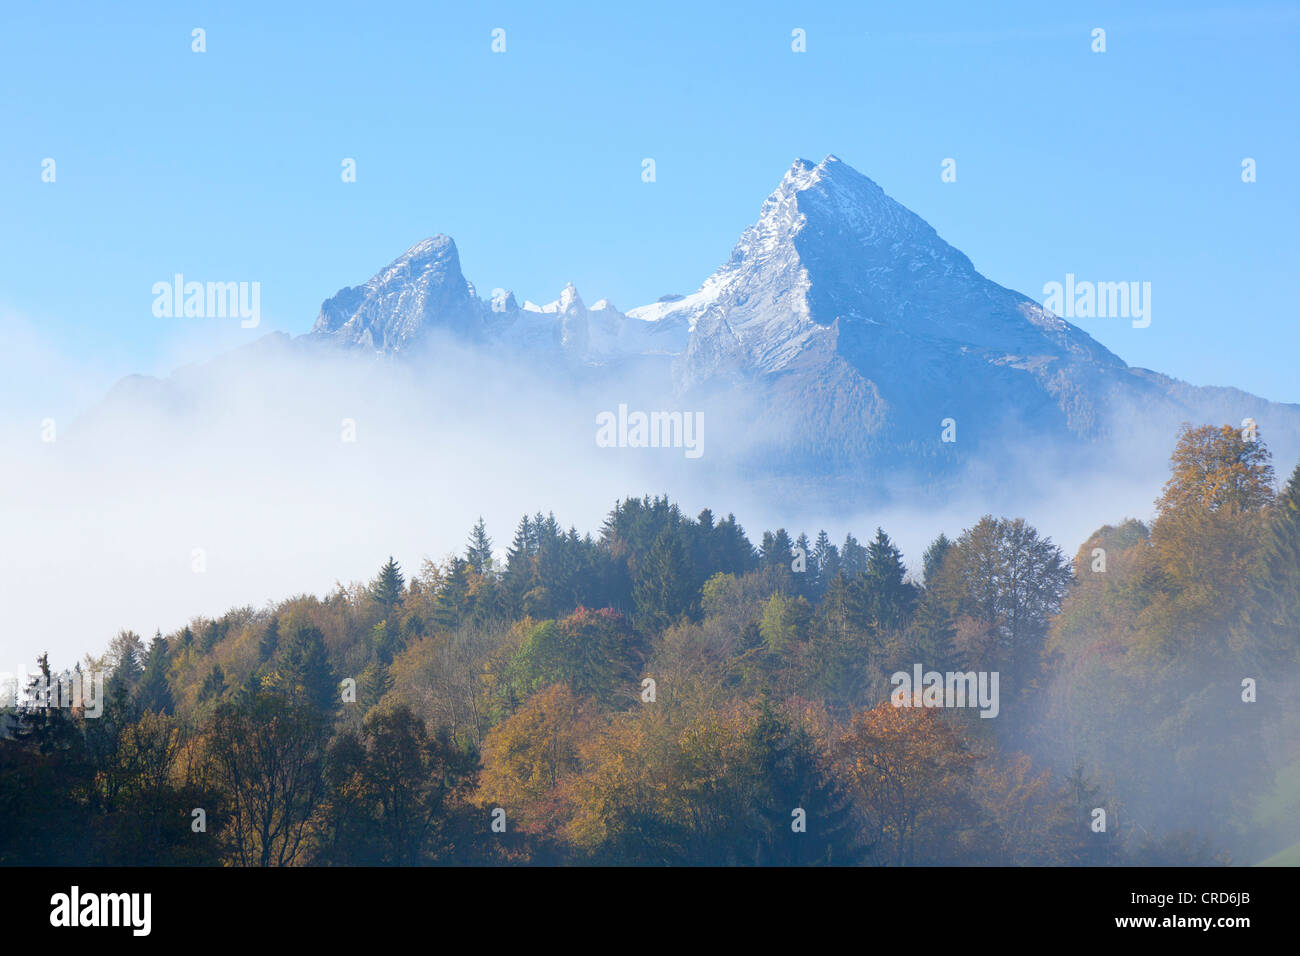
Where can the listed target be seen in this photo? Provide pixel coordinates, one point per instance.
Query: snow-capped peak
(569, 301)
(829, 253)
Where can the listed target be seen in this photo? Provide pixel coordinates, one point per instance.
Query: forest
(670, 691)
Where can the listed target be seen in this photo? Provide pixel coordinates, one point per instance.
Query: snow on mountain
(424, 290)
(422, 287)
(861, 330)
(829, 246)
(840, 313)
(834, 262)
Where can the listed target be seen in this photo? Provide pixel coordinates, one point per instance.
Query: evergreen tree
(853, 557)
(1271, 618)
(805, 580)
(251, 688)
(385, 642)
(932, 636)
(932, 560)
(826, 559)
(270, 640)
(733, 552)
(375, 682)
(413, 628)
(518, 578)
(214, 685)
(663, 589)
(705, 521)
(153, 693)
(776, 550)
(792, 775)
(305, 673)
(387, 588)
(453, 603)
(209, 636)
(43, 723)
(889, 598)
(521, 548)
(126, 652)
(479, 552)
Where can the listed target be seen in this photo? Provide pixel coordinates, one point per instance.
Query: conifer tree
(804, 565)
(266, 648)
(889, 598)
(479, 552)
(153, 693)
(826, 559)
(791, 775)
(387, 588)
(126, 652)
(376, 681)
(518, 578)
(453, 603)
(1271, 618)
(663, 590)
(214, 685)
(776, 550)
(853, 557)
(43, 723)
(932, 560)
(305, 673)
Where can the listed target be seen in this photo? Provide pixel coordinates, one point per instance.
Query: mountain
(837, 341)
(423, 291)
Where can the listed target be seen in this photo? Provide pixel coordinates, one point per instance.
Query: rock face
(845, 321)
(423, 291)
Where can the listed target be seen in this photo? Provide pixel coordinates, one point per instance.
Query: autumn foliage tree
(911, 771)
(528, 755)
(267, 759)
(1206, 536)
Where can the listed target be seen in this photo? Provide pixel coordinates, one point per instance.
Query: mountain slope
(862, 330)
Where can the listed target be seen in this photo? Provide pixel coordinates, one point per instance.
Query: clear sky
(225, 165)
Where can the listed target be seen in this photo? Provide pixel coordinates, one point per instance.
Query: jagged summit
(568, 300)
(828, 242)
(424, 286)
(833, 193)
(423, 291)
(434, 247)
(834, 265)
(839, 308)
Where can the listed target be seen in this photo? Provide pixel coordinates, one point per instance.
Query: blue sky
(1123, 165)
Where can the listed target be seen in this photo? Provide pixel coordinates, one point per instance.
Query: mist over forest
(647, 681)
(282, 468)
